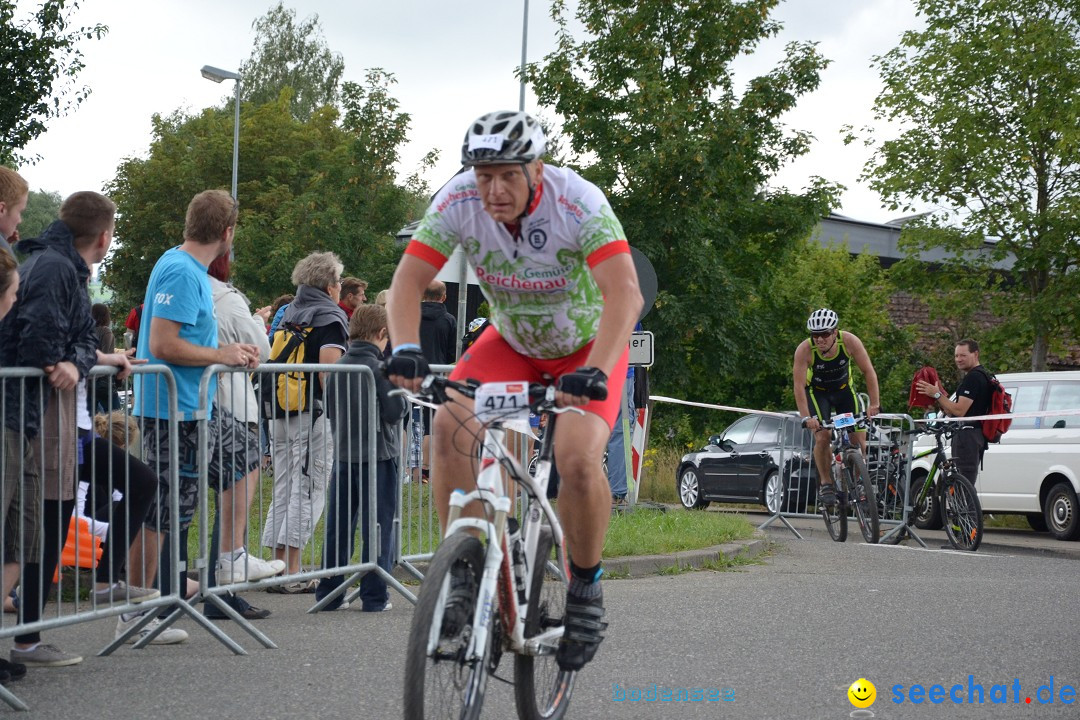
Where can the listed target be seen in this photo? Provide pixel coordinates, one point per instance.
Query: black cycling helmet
(505, 136)
(822, 320)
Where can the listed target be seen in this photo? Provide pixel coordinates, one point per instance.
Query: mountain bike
(852, 483)
(493, 584)
(961, 513)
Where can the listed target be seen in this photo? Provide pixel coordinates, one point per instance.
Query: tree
(319, 184)
(650, 109)
(287, 54)
(39, 61)
(41, 209)
(989, 130)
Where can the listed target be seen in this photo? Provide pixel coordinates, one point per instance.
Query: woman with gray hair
(302, 444)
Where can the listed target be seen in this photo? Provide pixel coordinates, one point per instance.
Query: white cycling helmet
(505, 136)
(822, 320)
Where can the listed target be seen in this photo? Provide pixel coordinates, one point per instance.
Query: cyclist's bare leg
(454, 450)
(584, 494)
(823, 456)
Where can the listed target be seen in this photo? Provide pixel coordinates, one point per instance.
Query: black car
(742, 465)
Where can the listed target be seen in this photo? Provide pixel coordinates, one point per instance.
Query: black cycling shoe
(827, 494)
(582, 632)
(459, 602)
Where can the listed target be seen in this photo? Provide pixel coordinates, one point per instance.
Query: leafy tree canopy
(41, 209)
(990, 132)
(319, 184)
(39, 61)
(652, 112)
(291, 54)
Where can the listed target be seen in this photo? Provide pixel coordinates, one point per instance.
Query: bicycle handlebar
(541, 397)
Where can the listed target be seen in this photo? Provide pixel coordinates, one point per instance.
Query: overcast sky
(452, 61)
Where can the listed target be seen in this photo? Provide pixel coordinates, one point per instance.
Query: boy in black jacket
(349, 406)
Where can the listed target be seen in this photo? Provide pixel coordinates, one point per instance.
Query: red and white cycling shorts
(491, 359)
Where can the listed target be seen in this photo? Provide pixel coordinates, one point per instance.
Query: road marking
(945, 551)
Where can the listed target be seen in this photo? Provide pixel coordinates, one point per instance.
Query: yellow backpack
(290, 388)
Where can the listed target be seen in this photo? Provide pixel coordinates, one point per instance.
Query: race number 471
(502, 401)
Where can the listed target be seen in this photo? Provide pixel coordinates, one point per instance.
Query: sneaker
(246, 610)
(246, 567)
(384, 608)
(15, 671)
(122, 592)
(168, 636)
(827, 494)
(582, 632)
(44, 656)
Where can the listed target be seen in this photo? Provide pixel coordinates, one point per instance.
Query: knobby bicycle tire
(835, 516)
(541, 690)
(961, 513)
(862, 496)
(443, 684)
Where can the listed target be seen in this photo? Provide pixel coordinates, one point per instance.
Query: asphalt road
(784, 639)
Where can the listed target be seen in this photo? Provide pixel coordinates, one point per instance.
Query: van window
(1063, 396)
(1027, 397)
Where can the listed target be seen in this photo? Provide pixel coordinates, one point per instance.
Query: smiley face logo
(862, 693)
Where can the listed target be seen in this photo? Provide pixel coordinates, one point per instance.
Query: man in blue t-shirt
(179, 330)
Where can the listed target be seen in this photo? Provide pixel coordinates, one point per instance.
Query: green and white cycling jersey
(544, 300)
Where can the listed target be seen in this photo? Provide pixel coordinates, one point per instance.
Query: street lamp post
(218, 75)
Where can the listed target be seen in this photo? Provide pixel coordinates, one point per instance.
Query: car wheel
(690, 489)
(773, 490)
(1037, 522)
(1061, 512)
(928, 512)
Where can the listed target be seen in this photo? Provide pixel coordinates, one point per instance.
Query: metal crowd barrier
(788, 450)
(287, 462)
(92, 531)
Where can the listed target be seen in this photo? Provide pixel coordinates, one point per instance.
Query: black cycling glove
(588, 382)
(409, 364)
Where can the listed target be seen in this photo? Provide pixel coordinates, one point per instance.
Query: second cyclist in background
(554, 265)
(824, 386)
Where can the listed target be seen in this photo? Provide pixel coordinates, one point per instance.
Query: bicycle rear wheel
(863, 496)
(541, 689)
(440, 682)
(961, 513)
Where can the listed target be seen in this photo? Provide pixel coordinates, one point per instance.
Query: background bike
(961, 513)
(852, 483)
(493, 584)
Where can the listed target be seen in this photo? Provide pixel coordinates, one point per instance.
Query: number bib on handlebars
(502, 401)
(844, 420)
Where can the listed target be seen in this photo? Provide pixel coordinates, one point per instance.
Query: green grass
(653, 532)
(640, 532)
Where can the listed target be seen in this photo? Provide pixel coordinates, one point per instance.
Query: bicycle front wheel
(961, 513)
(835, 517)
(440, 681)
(863, 496)
(541, 689)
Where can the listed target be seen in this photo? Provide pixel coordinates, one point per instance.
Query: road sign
(641, 349)
(646, 275)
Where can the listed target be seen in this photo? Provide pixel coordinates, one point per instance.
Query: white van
(1035, 469)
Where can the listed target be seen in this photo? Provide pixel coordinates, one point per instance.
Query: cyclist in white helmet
(554, 265)
(824, 386)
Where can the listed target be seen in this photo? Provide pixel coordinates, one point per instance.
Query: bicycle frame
(491, 491)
